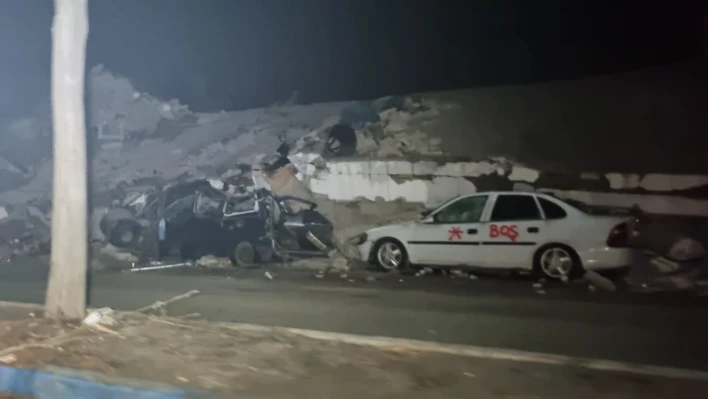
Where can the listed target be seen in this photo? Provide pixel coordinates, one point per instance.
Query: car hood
(382, 229)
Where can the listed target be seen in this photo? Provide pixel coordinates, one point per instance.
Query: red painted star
(455, 233)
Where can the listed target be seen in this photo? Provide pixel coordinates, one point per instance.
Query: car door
(178, 212)
(450, 236)
(513, 231)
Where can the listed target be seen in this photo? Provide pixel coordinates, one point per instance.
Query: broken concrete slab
(213, 262)
(598, 281)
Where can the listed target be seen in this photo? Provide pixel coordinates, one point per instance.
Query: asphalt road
(567, 319)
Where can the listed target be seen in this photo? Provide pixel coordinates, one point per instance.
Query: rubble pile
(671, 259)
(23, 230)
(137, 137)
(384, 128)
(116, 110)
(141, 146)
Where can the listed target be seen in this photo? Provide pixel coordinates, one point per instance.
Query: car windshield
(437, 208)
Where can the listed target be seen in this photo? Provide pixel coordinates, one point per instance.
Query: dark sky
(229, 54)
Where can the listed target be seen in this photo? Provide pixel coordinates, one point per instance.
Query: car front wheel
(390, 254)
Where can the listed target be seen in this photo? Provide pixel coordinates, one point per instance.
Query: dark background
(234, 54)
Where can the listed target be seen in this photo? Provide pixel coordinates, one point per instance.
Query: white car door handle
(532, 229)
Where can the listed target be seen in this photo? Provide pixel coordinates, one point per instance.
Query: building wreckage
(243, 218)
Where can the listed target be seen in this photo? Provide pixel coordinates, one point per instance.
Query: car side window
(208, 206)
(465, 210)
(176, 210)
(550, 210)
(515, 207)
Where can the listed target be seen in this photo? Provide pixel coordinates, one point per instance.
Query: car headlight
(360, 239)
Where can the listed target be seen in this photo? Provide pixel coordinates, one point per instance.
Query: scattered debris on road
(596, 280)
(213, 262)
(252, 171)
(159, 266)
(161, 306)
(234, 360)
(670, 259)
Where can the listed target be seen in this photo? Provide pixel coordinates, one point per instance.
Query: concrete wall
(432, 183)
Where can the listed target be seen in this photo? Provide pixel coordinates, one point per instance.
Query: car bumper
(364, 250)
(607, 258)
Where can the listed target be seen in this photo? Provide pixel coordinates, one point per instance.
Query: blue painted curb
(66, 384)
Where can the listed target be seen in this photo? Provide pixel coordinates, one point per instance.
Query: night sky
(234, 54)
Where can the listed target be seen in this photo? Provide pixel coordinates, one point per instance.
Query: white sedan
(503, 230)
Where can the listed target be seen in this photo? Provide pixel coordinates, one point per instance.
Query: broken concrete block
(117, 254)
(340, 263)
(212, 262)
(458, 273)
(523, 187)
(686, 248)
(664, 265)
(600, 282)
(103, 317)
(424, 271)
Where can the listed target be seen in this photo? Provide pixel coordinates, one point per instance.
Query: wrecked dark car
(209, 217)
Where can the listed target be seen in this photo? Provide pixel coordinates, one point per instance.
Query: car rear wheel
(390, 254)
(244, 254)
(557, 261)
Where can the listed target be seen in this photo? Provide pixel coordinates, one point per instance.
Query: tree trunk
(66, 292)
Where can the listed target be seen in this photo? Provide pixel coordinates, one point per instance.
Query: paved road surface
(566, 320)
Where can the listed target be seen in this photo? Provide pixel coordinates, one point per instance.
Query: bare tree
(66, 293)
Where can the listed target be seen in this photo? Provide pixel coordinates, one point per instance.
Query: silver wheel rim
(556, 262)
(390, 256)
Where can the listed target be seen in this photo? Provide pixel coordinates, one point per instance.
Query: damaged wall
(431, 139)
(432, 182)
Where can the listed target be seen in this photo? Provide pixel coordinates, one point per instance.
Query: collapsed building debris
(670, 260)
(212, 262)
(362, 164)
(598, 281)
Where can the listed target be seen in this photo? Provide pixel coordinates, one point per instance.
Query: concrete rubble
(141, 143)
(672, 258)
(212, 262)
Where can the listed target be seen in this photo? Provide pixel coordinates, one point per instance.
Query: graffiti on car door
(510, 231)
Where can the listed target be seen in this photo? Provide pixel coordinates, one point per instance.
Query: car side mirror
(428, 220)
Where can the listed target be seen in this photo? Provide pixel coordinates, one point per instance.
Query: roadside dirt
(278, 364)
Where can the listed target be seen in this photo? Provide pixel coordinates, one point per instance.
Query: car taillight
(618, 236)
